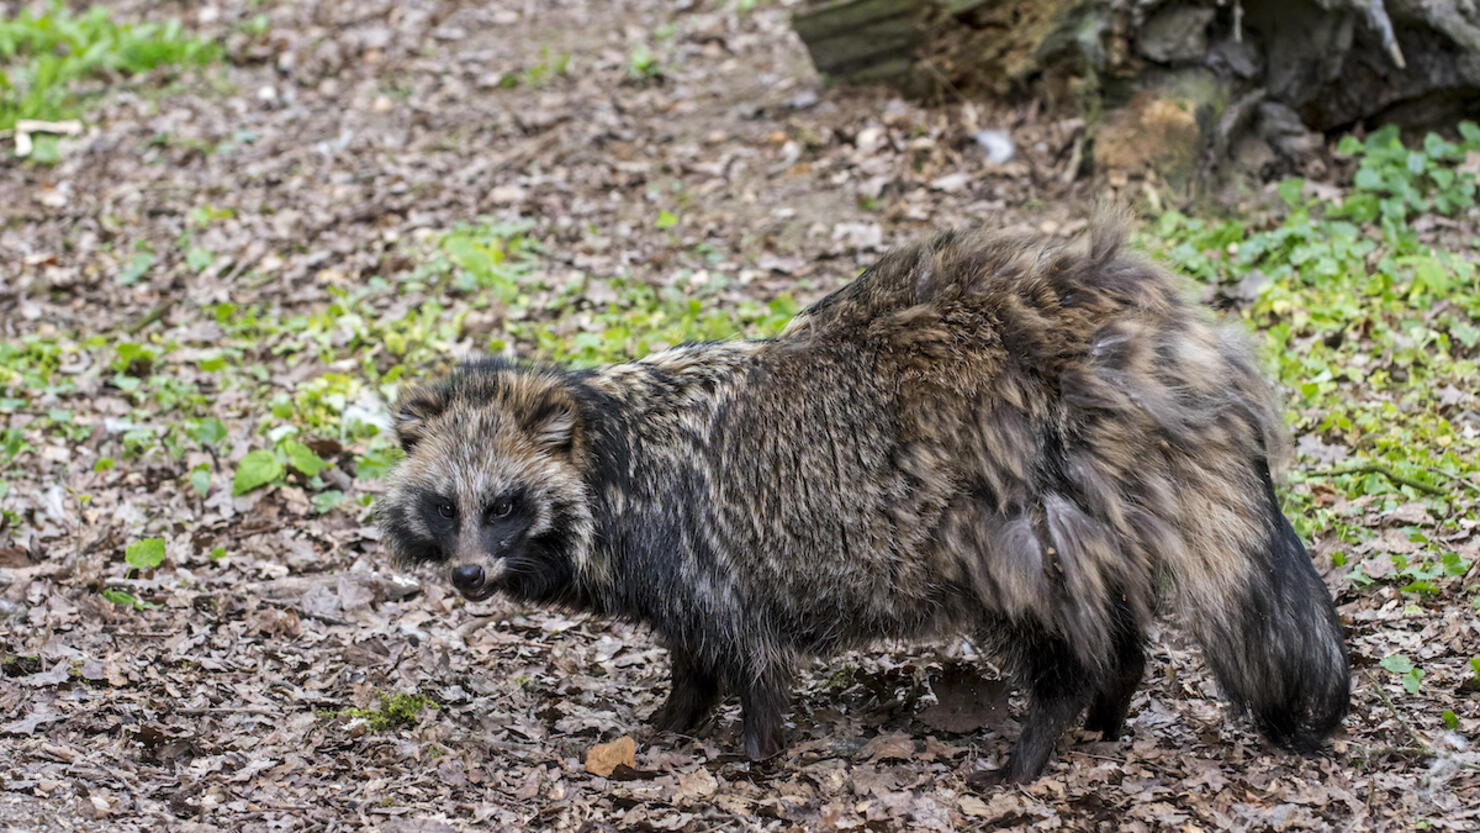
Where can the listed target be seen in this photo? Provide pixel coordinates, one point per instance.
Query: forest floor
(207, 300)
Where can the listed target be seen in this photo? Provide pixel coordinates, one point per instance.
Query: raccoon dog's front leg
(693, 693)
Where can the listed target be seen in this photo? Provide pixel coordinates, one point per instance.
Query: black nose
(467, 578)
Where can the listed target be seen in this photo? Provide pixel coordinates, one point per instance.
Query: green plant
(123, 597)
(841, 678)
(643, 65)
(550, 66)
(43, 56)
(1393, 182)
(263, 467)
(1363, 323)
(145, 554)
(642, 319)
(1410, 675)
(395, 711)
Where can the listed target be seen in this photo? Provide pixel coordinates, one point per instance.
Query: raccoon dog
(1009, 437)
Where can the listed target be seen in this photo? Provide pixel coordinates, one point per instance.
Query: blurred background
(231, 231)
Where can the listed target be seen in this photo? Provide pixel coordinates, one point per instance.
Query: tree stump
(1242, 84)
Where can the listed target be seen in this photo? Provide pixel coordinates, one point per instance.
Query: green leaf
(1368, 179)
(1412, 680)
(46, 150)
(198, 259)
(1450, 719)
(258, 468)
(120, 597)
(1290, 190)
(327, 500)
(200, 479)
(1397, 663)
(137, 267)
(209, 431)
(1467, 335)
(217, 553)
(302, 458)
(145, 554)
(666, 219)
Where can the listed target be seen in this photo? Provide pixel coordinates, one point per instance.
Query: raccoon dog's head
(491, 484)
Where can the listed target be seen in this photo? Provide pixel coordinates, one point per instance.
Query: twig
(1463, 480)
(200, 712)
(1384, 470)
(1387, 701)
(150, 317)
(1382, 25)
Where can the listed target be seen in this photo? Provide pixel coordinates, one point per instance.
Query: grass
(363, 344)
(396, 711)
(1371, 331)
(53, 60)
(1374, 335)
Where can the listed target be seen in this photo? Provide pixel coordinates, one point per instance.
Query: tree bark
(1275, 70)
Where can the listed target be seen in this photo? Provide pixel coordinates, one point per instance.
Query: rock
(1228, 91)
(1176, 34)
(1152, 133)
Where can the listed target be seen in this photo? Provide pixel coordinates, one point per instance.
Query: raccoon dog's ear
(552, 423)
(416, 408)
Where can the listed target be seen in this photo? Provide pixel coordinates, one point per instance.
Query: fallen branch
(1384, 470)
(154, 314)
(1376, 687)
(25, 127)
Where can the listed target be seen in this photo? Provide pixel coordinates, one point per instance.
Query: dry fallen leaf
(605, 757)
(699, 784)
(965, 701)
(973, 806)
(897, 745)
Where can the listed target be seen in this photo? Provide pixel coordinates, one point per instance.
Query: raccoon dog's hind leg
(1059, 686)
(1128, 663)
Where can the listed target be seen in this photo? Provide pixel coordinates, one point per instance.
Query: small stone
(998, 145)
(1177, 34)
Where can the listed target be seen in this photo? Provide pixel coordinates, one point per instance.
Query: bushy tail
(1276, 644)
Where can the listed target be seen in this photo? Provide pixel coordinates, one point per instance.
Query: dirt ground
(339, 136)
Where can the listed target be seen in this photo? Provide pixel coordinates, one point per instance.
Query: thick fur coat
(1009, 437)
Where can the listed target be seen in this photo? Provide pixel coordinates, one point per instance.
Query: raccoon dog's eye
(502, 508)
(447, 510)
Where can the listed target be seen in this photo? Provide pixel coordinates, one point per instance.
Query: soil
(336, 138)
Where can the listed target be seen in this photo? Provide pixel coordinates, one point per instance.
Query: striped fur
(1003, 436)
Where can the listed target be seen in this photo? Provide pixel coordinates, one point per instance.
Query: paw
(761, 744)
(679, 718)
(984, 780)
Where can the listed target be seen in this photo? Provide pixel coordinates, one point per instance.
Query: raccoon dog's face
(490, 485)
